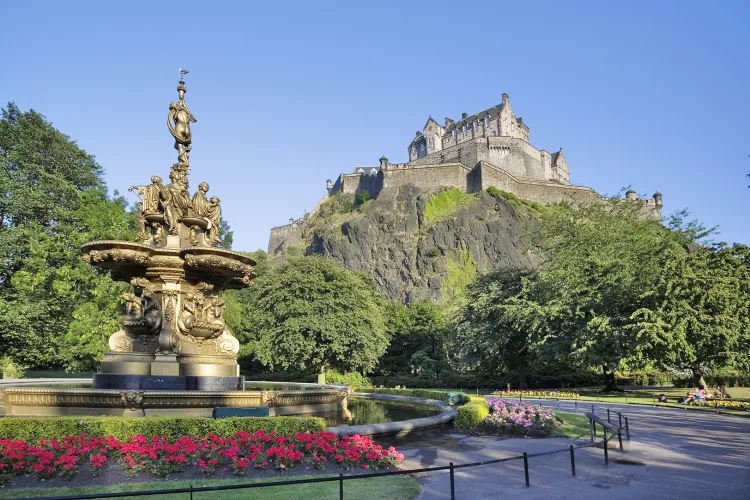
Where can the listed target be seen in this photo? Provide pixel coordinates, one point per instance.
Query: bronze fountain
(174, 352)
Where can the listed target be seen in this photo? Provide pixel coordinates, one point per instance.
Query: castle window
(476, 124)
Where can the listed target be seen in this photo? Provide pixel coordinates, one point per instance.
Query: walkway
(673, 454)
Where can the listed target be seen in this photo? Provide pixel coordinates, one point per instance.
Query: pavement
(673, 453)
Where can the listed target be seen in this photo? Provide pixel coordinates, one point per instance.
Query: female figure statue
(178, 121)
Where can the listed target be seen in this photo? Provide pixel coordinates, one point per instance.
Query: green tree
(495, 335)
(419, 339)
(603, 261)
(697, 319)
(312, 314)
(53, 199)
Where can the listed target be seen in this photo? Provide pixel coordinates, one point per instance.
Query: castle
(489, 148)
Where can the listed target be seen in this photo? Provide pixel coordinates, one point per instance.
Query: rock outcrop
(413, 255)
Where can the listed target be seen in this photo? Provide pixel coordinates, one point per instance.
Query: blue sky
(652, 95)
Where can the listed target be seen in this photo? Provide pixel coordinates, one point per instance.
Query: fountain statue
(174, 354)
(174, 324)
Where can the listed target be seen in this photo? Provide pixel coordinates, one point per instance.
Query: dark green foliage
(419, 338)
(352, 379)
(312, 314)
(33, 429)
(54, 308)
(414, 393)
(362, 198)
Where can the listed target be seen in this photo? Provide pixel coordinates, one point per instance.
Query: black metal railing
(451, 468)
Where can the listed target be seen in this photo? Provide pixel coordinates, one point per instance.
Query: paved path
(673, 453)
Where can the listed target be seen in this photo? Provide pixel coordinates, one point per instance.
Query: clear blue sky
(648, 94)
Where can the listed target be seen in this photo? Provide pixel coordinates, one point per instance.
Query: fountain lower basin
(25, 401)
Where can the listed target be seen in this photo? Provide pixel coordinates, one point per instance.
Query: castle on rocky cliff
(489, 148)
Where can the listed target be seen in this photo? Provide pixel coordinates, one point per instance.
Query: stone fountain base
(51, 401)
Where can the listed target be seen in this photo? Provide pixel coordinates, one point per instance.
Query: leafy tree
(312, 314)
(52, 200)
(494, 334)
(604, 259)
(697, 319)
(419, 340)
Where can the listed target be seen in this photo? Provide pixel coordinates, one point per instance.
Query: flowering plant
(514, 418)
(545, 393)
(160, 456)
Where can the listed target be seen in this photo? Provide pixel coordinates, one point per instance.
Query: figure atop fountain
(179, 120)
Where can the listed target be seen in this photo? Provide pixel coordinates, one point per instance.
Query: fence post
(620, 416)
(716, 405)
(341, 486)
(191, 492)
(453, 489)
(592, 410)
(592, 429)
(608, 419)
(526, 467)
(627, 429)
(558, 404)
(606, 455)
(576, 406)
(619, 437)
(572, 460)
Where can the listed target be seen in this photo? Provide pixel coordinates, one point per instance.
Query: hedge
(469, 415)
(33, 429)
(414, 393)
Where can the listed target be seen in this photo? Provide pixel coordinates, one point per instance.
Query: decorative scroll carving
(219, 263)
(116, 255)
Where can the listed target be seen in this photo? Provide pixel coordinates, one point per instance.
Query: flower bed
(160, 456)
(726, 404)
(511, 418)
(552, 393)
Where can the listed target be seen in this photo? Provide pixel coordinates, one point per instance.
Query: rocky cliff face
(419, 247)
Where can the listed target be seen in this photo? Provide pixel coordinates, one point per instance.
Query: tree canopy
(311, 314)
(53, 199)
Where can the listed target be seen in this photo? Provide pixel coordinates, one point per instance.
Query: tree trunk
(522, 369)
(609, 381)
(698, 380)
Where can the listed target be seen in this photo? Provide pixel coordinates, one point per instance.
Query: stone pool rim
(400, 426)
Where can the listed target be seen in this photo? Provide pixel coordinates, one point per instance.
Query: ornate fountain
(174, 352)
(173, 328)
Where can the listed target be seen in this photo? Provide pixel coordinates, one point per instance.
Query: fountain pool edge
(401, 426)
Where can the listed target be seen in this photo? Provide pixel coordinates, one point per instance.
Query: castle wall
(283, 237)
(432, 177)
(534, 190)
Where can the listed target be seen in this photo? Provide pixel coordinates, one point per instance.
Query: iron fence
(451, 468)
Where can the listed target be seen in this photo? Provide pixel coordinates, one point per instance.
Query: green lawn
(386, 488)
(574, 425)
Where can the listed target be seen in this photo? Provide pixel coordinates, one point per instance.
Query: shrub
(362, 197)
(432, 252)
(414, 393)
(33, 429)
(10, 369)
(352, 379)
(471, 414)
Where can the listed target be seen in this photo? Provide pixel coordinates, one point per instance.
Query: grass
(445, 203)
(404, 486)
(574, 425)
